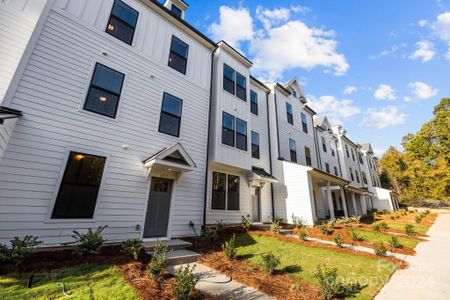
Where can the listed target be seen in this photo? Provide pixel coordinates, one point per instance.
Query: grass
(81, 282)
(366, 270)
(421, 229)
(380, 237)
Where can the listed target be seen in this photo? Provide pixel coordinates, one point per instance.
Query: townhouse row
(120, 113)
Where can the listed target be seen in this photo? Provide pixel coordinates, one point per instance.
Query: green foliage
(418, 219)
(88, 243)
(377, 226)
(410, 230)
(270, 262)
(229, 248)
(338, 240)
(20, 249)
(394, 242)
(326, 229)
(302, 234)
(331, 287)
(355, 235)
(380, 249)
(246, 223)
(185, 281)
(132, 248)
(158, 262)
(275, 225)
(220, 225)
(209, 234)
(298, 222)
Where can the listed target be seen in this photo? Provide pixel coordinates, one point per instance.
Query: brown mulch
(281, 286)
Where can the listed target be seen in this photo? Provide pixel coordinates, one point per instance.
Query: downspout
(270, 157)
(276, 121)
(316, 141)
(208, 137)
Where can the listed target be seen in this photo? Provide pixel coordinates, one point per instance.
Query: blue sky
(392, 56)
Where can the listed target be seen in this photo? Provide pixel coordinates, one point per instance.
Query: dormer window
(176, 10)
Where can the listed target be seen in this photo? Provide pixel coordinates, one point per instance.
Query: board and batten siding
(51, 94)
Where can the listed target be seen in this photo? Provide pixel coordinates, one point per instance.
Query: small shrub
(338, 240)
(298, 222)
(392, 217)
(220, 225)
(185, 282)
(410, 230)
(158, 261)
(418, 219)
(21, 248)
(246, 223)
(394, 242)
(355, 235)
(275, 226)
(427, 212)
(380, 249)
(88, 243)
(229, 248)
(132, 248)
(302, 234)
(209, 234)
(377, 226)
(326, 229)
(331, 287)
(270, 262)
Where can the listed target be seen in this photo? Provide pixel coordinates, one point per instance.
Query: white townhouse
(239, 173)
(110, 101)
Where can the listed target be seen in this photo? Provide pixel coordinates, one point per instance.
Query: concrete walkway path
(217, 284)
(428, 274)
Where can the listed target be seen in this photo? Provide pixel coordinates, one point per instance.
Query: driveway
(428, 274)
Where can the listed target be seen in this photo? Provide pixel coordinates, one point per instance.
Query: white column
(344, 202)
(355, 212)
(363, 204)
(330, 202)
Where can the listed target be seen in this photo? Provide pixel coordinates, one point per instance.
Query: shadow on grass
(292, 269)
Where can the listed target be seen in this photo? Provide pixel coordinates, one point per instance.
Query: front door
(256, 204)
(158, 210)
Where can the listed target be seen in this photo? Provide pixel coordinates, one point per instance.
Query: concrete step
(286, 231)
(174, 244)
(177, 257)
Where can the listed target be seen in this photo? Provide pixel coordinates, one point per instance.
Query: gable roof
(367, 147)
(174, 154)
(241, 58)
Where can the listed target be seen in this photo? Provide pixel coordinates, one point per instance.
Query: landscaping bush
(410, 230)
(298, 222)
(158, 261)
(326, 229)
(355, 235)
(270, 262)
(246, 223)
(220, 226)
(132, 248)
(275, 226)
(209, 234)
(302, 234)
(377, 226)
(331, 287)
(394, 242)
(380, 249)
(418, 219)
(229, 248)
(433, 203)
(88, 243)
(21, 248)
(338, 240)
(185, 282)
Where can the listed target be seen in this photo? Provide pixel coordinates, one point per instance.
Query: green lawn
(380, 237)
(422, 229)
(81, 282)
(368, 271)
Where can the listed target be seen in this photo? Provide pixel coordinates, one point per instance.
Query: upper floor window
(104, 92)
(294, 93)
(293, 150)
(360, 158)
(351, 174)
(304, 123)
(241, 134)
(77, 195)
(255, 145)
(357, 176)
(122, 22)
(170, 120)
(228, 79)
(327, 167)
(289, 114)
(228, 129)
(346, 150)
(241, 86)
(332, 152)
(324, 145)
(364, 177)
(353, 154)
(336, 171)
(308, 156)
(178, 56)
(176, 10)
(254, 102)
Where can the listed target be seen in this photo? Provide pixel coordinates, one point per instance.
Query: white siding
(5, 133)
(382, 200)
(327, 157)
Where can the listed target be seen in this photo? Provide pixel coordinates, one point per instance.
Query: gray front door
(256, 204)
(158, 210)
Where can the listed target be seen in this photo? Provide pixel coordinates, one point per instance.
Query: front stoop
(177, 253)
(174, 244)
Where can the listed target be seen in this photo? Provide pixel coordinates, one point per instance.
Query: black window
(170, 119)
(179, 51)
(228, 79)
(336, 171)
(228, 129)
(255, 145)
(254, 102)
(324, 145)
(360, 158)
(104, 91)
(332, 152)
(308, 156)
(122, 22)
(304, 123)
(294, 93)
(176, 10)
(357, 176)
(241, 86)
(233, 193)
(353, 154)
(327, 167)
(351, 174)
(219, 191)
(293, 150)
(79, 188)
(289, 114)
(364, 177)
(346, 150)
(241, 134)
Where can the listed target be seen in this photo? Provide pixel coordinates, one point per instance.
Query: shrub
(410, 230)
(88, 243)
(298, 222)
(427, 212)
(229, 248)
(355, 235)
(185, 282)
(394, 242)
(302, 234)
(380, 249)
(21, 248)
(132, 248)
(418, 219)
(219, 225)
(246, 223)
(275, 226)
(326, 229)
(338, 240)
(270, 262)
(331, 287)
(377, 226)
(158, 261)
(209, 234)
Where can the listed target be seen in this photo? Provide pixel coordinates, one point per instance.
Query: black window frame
(293, 152)
(226, 193)
(327, 167)
(255, 147)
(232, 81)
(289, 113)
(346, 150)
(122, 21)
(364, 177)
(241, 91)
(176, 11)
(308, 158)
(171, 115)
(241, 135)
(351, 174)
(225, 129)
(324, 144)
(174, 53)
(357, 176)
(353, 154)
(332, 151)
(215, 192)
(235, 193)
(336, 171)
(254, 102)
(304, 122)
(103, 89)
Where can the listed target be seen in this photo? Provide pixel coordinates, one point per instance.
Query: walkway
(428, 274)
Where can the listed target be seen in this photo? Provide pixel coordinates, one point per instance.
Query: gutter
(276, 122)
(319, 162)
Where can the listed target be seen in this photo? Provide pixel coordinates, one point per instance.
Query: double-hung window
(176, 10)
(77, 195)
(241, 134)
(178, 56)
(289, 114)
(324, 145)
(351, 174)
(225, 192)
(293, 150)
(254, 102)
(336, 171)
(327, 167)
(346, 151)
(353, 154)
(304, 123)
(104, 92)
(122, 22)
(332, 151)
(255, 145)
(364, 177)
(241, 86)
(308, 156)
(360, 158)
(357, 176)
(170, 120)
(228, 129)
(229, 79)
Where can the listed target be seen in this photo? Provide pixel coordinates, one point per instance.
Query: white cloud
(407, 99)
(235, 26)
(422, 90)
(350, 90)
(384, 117)
(392, 50)
(335, 109)
(378, 152)
(425, 51)
(441, 28)
(385, 92)
(300, 9)
(273, 17)
(422, 23)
